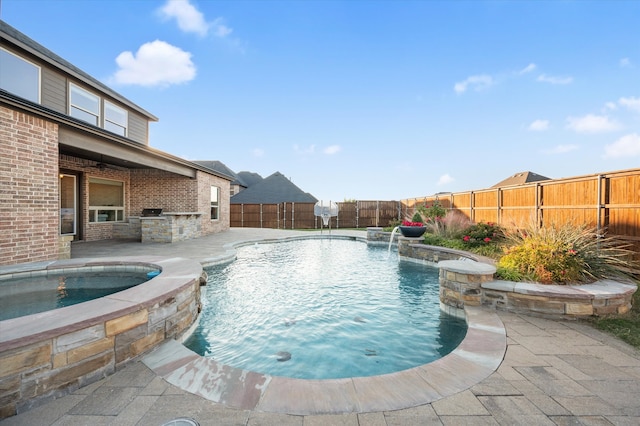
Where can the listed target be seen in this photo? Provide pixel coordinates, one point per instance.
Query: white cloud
(220, 29)
(610, 106)
(156, 63)
(529, 68)
(477, 82)
(561, 149)
(626, 146)
(539, 125)
(189, 19)
(257, 152)
(444, 179)
(625, 62)
(592, 124)
(631, 103)
(311, 149)
(333, 149)
(554, 80)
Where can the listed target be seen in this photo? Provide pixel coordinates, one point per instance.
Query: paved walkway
(554, 373)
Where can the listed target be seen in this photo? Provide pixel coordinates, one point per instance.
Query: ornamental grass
(563, 254)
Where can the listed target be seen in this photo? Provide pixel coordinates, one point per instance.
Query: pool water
(321, 309)
(26, 296)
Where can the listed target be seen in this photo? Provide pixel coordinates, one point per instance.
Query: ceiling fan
(101, 165)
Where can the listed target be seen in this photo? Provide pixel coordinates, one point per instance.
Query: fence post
(472, 213)
(242, 215)
(499, 205)
(293, 215)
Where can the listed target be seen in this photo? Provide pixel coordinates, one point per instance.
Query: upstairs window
(115, 119)
(84, 105)
(215, 206)
(20, 77)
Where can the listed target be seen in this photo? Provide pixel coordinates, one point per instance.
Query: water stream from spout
(393, 233)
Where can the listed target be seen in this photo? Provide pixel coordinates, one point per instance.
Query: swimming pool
(34, 294)
(323, 309)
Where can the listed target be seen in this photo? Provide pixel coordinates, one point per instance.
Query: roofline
(15, 102)
(36, 49)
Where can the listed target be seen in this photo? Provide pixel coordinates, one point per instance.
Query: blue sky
(367, 99)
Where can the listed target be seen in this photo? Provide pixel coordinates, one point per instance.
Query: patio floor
(554, 373)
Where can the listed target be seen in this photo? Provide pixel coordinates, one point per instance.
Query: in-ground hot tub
(48, 354)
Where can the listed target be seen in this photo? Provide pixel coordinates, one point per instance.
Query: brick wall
(205, 182)
(152, 189)
(29, 217)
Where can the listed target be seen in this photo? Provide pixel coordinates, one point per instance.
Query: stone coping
(177, 274)
(230, 248)
(469, 267)
(476, 358)
(603, 289)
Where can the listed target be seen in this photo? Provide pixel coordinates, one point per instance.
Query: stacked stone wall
(34, 370)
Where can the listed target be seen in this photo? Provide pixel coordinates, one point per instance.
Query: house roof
(271, 190)
(219, 167)
(249, 178)
(520, 179)
(21, 40)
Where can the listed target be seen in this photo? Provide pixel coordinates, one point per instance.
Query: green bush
(433, 211)
(482, 234)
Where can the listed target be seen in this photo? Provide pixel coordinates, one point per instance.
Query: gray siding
(138, 128)
(54, 90)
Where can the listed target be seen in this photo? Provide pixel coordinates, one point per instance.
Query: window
(19, 76)
(115, 119)
(83, 105)
(106, 200)
(215, 206)
(68, 199)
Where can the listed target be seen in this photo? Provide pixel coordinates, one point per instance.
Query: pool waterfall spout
(393, 234)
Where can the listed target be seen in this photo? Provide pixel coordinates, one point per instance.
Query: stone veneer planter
(467, 280)
(49, 354)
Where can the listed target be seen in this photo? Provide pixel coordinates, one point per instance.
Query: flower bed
(463, 281)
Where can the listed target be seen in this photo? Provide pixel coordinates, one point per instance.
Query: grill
(151, 212)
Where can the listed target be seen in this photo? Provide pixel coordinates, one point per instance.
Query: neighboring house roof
(520, 179)
(249, 178)
(36, 49)
(271, 190)
(220, 167)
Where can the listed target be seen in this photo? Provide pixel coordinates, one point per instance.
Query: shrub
(417, 218)
(563, 254)
(433, 211)
(482, 234)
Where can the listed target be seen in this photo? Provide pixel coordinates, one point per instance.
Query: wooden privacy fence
(357, 214)
(608, 201)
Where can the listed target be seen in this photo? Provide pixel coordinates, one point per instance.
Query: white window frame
(22, 77)
(215, 203)
(101, 214)
(73, 107)
(124, 127)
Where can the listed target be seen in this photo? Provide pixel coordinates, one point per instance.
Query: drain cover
(182, 421)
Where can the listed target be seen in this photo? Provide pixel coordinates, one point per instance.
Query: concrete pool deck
(554, 372)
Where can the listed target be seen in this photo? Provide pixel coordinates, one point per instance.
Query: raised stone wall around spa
(44, 356)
